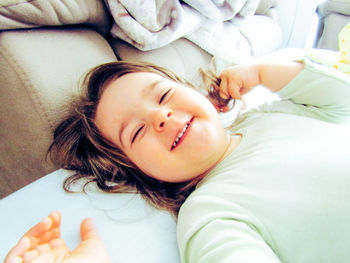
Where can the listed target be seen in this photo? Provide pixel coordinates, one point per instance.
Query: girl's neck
(232, 143)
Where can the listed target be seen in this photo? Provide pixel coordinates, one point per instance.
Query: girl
(274, 187)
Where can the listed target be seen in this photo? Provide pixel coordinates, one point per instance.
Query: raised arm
(306, 88)
(239, 80)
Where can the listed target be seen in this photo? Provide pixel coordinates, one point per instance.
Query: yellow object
(339, 60)
(344, 44)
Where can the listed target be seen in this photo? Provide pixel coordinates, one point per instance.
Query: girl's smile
(182, 134)
(168, 130)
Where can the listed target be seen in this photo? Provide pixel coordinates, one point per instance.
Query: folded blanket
(152, 24)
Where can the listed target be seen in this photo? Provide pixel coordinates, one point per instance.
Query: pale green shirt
(283, 195)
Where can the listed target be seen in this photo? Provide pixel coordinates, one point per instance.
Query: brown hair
(79, 146)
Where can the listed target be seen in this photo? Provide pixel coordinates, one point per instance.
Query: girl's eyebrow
(150, 87)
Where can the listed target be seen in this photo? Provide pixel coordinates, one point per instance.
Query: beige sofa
(46, 46)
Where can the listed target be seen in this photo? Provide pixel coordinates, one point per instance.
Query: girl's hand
(43, 244)
(239, 80)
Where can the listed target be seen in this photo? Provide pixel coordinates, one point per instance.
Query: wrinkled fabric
(149, 25)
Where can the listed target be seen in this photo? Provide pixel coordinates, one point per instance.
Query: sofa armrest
(333, 6)
(39, 72)
(333, 16)
(17, 14)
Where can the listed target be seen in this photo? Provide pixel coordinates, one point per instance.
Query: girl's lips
(189, 123)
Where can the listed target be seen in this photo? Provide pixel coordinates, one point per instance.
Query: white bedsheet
(131, 229)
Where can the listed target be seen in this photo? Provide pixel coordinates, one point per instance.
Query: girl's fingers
(50, 222)
(18, 251)
(38, 231)
(230, 87)
(45, 258)
(58, 244)
(14, 260)
(223, 88)
(88, 230)
(234, 89)
(43, 248)
(55, 233)
(30, 256)
(56, 223)
(36, 239)
(56, 219)
(60, 248)
(45, 230)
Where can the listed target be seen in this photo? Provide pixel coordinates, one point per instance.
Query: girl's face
(170, 131)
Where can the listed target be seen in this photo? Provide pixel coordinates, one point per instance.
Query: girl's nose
(160, 118)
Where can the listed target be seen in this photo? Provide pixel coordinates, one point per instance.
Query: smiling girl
(273, 187)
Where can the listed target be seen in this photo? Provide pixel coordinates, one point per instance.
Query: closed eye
(164, 96)
(136, 133)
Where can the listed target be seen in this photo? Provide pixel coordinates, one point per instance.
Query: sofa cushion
(256, 35)
(265, 6)
(15, 14)
(39, 72)
(263, 34)
(181, 56)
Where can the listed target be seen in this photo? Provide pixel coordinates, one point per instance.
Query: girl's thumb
(88, 230)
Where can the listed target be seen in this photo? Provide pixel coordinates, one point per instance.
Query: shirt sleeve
(318, 92)
(226, 241)
(211, 229)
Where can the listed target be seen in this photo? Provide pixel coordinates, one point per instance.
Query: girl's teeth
(180, 135)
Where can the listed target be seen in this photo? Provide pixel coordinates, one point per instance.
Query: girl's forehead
(129, 89)
(141, 77)
(134, 82)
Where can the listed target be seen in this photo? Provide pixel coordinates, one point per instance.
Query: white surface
(131, 229)
(295, 18)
